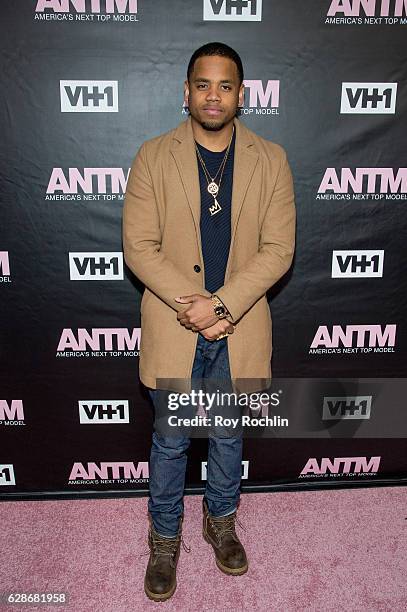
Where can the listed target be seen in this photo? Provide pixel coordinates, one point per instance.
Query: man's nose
(213, 93)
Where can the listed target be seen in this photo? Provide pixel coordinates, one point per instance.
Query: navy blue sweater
(216, 229)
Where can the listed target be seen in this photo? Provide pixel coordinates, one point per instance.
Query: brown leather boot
(160, 580)
(220, 533)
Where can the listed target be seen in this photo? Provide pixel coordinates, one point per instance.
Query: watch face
(219, 311)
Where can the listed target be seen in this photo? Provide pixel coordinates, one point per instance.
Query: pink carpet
(317, 550)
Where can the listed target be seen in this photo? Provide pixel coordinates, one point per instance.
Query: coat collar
(243, 134)
(246, 157)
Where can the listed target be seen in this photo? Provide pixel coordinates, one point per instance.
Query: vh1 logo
(4, 267)
(96, 266)
(341, 465)
(103, 411)
(13, 413)
(245, 470)
(355, 407)
(350, 264)
(232, 10)
(7, 477)
(89, 96)
(368, 98)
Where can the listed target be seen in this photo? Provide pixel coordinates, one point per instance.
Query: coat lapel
(183, 150)
(246, 158)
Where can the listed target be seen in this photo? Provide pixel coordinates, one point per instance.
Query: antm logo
(342, 465)
(232, 10)
(370, 8)
(83, 6)
(11, 411)
(89, 96)
(88, 180)
(262, 96)
(355, 336)
(109, 469)
(4, 264)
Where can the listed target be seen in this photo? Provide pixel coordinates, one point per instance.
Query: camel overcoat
(162, 246)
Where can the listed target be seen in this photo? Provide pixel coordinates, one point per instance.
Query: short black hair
(216, 48)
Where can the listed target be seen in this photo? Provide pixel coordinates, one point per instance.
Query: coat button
(197, 268)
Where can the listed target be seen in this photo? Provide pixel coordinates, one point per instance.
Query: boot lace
(166, 546)
(225, 525)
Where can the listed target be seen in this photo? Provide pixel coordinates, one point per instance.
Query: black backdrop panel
(84, 83)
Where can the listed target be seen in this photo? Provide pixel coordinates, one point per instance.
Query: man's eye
(227, 87)
(201, 85)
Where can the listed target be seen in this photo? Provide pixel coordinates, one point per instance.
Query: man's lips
(212, 110)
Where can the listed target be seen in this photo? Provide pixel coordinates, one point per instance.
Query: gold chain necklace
(213, 187)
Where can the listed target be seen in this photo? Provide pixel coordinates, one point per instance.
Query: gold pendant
(215, 208)
(213, 189)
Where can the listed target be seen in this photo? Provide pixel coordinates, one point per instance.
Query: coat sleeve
(142, 239)
(275, 254)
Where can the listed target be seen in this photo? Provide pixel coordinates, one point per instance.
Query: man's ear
(186, 93)
(241, 96)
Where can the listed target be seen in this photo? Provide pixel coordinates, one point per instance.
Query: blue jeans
(168, 459)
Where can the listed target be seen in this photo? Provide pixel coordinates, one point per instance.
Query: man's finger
(183, 319)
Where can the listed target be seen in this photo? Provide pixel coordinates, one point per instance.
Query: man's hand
(199, 315)
(223, 326)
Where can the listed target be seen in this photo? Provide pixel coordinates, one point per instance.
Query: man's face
(213, 93)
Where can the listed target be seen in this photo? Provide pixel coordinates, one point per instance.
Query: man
(208, 227)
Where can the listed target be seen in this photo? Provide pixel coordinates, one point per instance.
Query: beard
(210, 126)
(213, 125)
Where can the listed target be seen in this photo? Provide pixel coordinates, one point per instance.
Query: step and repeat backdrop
(84, 84)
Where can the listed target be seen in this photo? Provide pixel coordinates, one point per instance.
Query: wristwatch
(219, 308)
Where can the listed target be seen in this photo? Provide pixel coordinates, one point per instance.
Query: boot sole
(160, 596)
(237, 571)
